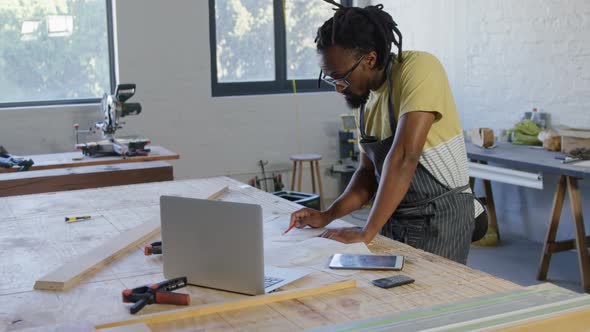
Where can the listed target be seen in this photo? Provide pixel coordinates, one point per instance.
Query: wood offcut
(70, 274)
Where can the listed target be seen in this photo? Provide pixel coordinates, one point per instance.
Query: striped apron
(432, 216)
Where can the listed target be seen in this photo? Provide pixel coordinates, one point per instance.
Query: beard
(355, 101)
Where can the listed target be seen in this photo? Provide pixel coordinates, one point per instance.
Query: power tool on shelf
(8, 161)
(114, 107)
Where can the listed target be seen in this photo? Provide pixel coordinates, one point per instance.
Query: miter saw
(114, 107)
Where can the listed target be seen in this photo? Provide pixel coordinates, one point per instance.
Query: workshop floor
(515, 259)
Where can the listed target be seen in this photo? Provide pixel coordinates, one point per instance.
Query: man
(413, 160)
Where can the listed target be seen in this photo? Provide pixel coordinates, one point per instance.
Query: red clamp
(160, 293)
(155, 248)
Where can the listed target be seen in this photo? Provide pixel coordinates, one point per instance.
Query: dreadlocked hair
(362, 30)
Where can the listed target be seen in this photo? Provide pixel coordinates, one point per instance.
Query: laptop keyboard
(269, 281)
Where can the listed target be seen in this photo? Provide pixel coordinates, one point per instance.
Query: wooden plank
(77, 159)
(25, 183)
(218, 193)
(87, 264)
(70, 274)
(233, 305)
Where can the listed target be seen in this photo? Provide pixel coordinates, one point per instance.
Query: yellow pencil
(74, 219)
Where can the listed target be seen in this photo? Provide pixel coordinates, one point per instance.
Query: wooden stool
(314, 163)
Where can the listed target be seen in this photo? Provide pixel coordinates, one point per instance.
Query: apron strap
(362, 122)
(429, 200)
(392, 121)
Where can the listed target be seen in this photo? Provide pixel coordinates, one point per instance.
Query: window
(55, 52)
(259, 47)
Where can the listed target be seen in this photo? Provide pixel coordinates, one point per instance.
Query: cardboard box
(482, 137)
(572, 139)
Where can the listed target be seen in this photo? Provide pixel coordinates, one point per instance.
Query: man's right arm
(361, 189)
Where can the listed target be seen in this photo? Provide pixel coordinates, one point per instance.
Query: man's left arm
(398, 170)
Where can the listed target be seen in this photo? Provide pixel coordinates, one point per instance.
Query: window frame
(112, 73)
(280, 84)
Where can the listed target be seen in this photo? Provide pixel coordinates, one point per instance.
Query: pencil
(288, 229)
(74, 219)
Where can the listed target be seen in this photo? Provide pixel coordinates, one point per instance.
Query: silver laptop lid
(214, 244)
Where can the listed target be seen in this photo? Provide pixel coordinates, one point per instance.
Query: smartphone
(367, 262)
(393, 281)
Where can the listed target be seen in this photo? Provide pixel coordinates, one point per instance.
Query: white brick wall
(527, 53)
(504, 57)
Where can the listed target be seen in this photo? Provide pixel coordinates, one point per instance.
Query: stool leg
(300, 174)
(319, 174)
(312, 176)
(293, 176)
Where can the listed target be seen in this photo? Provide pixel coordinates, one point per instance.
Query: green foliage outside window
(53, 50)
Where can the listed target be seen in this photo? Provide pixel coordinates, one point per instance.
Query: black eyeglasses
(343, 82)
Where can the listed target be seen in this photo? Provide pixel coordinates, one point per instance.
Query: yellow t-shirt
(421, 84)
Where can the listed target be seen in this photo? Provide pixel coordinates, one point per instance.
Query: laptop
(218, 245)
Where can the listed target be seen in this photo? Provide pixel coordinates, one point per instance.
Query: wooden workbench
(35, 240)
(77, 159)
(73, 171)
(538, 160)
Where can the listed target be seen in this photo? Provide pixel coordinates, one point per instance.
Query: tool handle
(126, 295)
(170, 285)
(130, 109)
(172, 298)
(138, 306)
(155, 248)
(148, 250)
(124, 92)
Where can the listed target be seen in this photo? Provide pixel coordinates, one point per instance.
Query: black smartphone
(393, 281)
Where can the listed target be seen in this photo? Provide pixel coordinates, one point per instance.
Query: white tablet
(367, 262)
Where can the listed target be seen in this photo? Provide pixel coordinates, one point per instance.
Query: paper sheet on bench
(314, 253)
(274, 228)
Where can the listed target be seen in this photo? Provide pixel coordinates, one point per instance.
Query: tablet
(367, 262)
